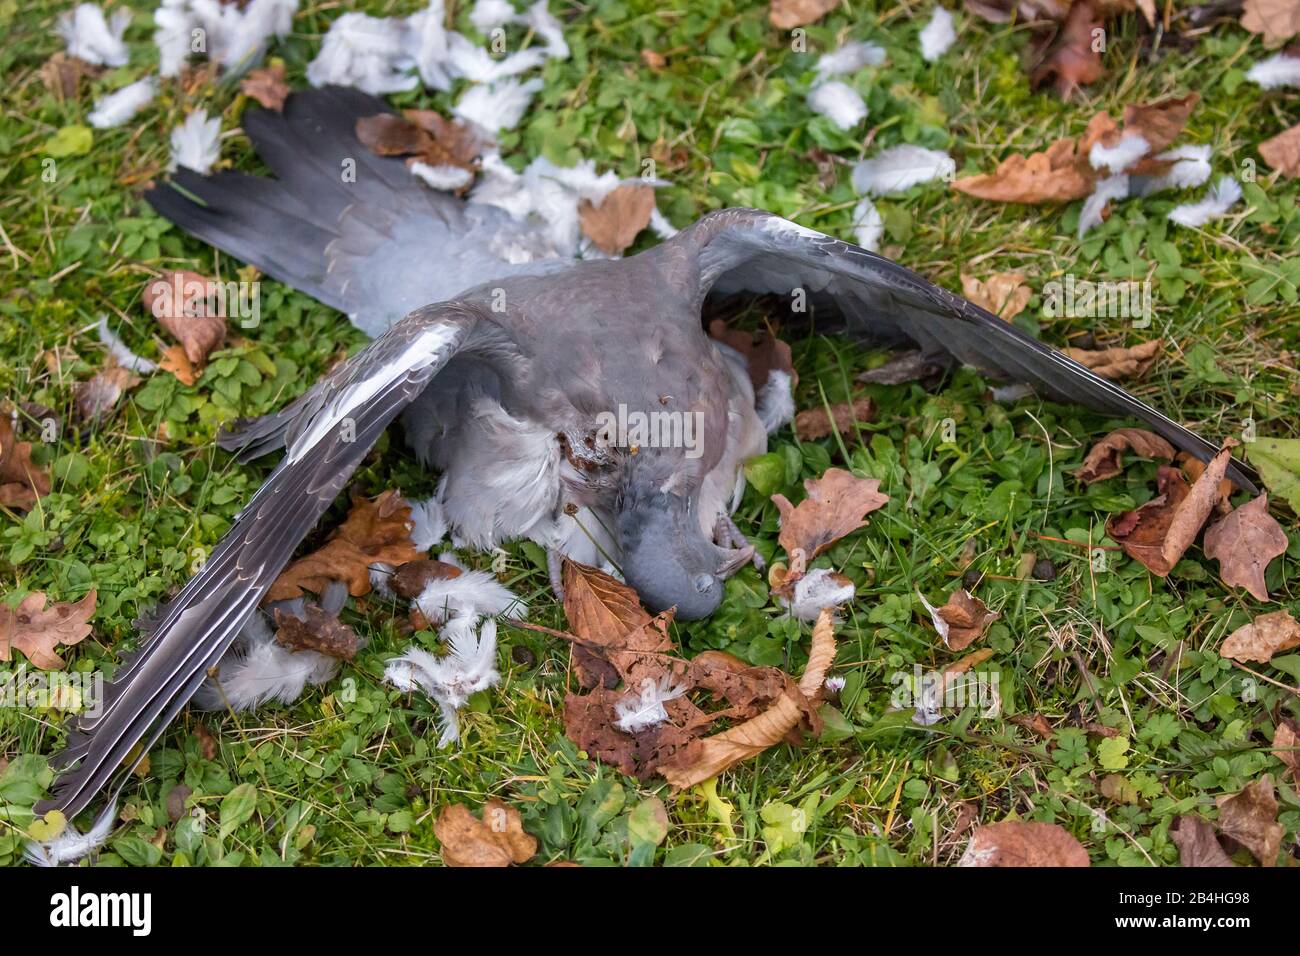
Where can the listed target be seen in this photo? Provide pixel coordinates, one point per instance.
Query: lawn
(1145, 721)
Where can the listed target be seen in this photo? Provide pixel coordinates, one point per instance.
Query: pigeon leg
(730, 538)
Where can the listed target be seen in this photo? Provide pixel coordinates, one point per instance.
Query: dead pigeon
(579, 404)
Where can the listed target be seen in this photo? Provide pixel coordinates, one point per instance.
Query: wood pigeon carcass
(504, 360)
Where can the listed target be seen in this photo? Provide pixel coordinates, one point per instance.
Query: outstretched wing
(326, 433)
(748, 250)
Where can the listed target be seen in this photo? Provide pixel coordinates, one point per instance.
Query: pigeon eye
(702, 582)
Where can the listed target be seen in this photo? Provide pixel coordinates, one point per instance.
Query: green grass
(348, 774)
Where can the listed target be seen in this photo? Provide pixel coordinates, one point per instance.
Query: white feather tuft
(641, 710)
(497, 106)
(660, 225)
(428, 522)
(196, 143)
(367, 52)
(1130, 148)
(91, 38)
(1107, 190)
(899, 168)
(545, 25)
(72, 845)
(472, 594)
(426, 44)
(1277, 70)
(1221, 197)
(119, 106)
(467, 668)
(815, 591)
(775, 401)
(938, 35)
(477, 65)
(850, 58)
(868, 225)
(1191, 167)
(442, 177)
(491, 13)
(121, 353)
(839, 102)
(258, 669)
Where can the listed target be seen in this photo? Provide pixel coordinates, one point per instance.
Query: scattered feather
(644, 709)
(72, 845)
(367, 52)
(428, 523)
(817, 590)
(237, 35)
(476, 64)
(497, 106)
(1130, 148)
(938, 35)
(660, 225)
(1107, 190)
(775, 401)
(545, 25)
(839, 102)
(444, 177)
(899, 168)
(1277, 70)
(258, 669)
(450, 680)
(174, 36)
(850, 58)
(119, 106)
(1221, 197)
(1191, 167)
(91, 38)
(491, 13)
(121, 353)
(426, 44)
(196, 143)
(471, 595)
(868, 225)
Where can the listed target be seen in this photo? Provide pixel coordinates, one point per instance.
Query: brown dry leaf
(37, 630)
(62, 75)
(1197, 843)
(1193, 468)
(422, 135)
(1058, 174)
(317, 631)
(267, 85)
(207, 741)
(186, 305)
(788, 14)
(1191, 513)
(1250, 818)
(703, 759)
(1277, 20)
(963, 620)
(97, 396)
(22, 482)
(1142, 532)
(814, 423)
(1003, 293)
(377, 530)
(1017, 843)
(496, 840)
(1103, 459)
(1286, 748)
(654, 60)
(1037, 723)
(1244, 543)
(411, 578)
(1159, 123)
(763, 353)
(607, 615)
(1072, 59)
(615, 223)
(175, 361)
(837, 504)
(1120, 362)
(1263, 637)
(1282, 152)
(387, 134)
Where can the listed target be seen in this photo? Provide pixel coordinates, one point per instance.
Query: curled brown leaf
(1104, 458)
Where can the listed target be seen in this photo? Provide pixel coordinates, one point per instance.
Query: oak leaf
(1018, 843)
(1119, 362)
(496, 840)
(622, 214)
(814, 423)
(1244, 543)
(1263, 637)
(37, 630)
(1250, 818)
(788, 14)
(375, 531)
(837, 504)
(1002, 293)
(1103, 459)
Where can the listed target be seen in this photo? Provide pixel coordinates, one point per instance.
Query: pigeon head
(666, 557)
